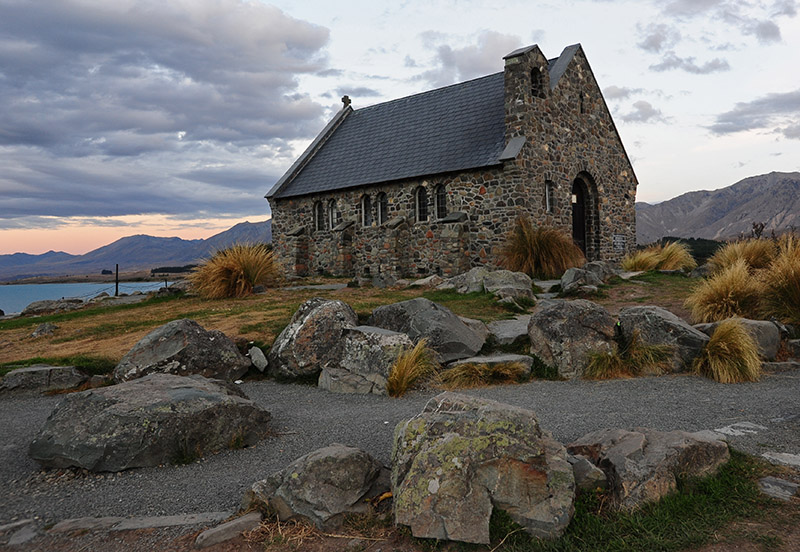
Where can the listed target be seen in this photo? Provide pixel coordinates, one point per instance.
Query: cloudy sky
(175, 117)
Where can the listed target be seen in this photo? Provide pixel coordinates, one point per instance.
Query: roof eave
(309, 151)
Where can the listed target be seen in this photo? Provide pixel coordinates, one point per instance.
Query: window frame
(333, 214)
(549, 197)
(382, 201)
(366, 211)
(440, 202)
(319, 216)
(421, 204)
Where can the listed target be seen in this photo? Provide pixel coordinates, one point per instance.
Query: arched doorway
(579, 210)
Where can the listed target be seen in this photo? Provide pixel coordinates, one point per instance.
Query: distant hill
(132, 253)
(773, 199)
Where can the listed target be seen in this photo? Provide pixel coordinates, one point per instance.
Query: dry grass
(541, 252)
(731, 292)
(731, 355)
(672, 256)
(480, 375)
(756, 254)
(782, 283)
(235, 271)
(633, 359)
(412, 366)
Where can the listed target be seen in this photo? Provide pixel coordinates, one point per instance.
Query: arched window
(383, 208)
(366, 211)
(440, 201)
(333, 215)
(537, 83)
(319, 216)
(421, 204)
(549, 196)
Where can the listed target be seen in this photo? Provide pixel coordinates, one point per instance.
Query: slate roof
(449, 129)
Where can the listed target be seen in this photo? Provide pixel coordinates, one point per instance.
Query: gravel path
(767, 414)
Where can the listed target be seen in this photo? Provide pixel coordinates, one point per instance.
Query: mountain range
(772, 199)
(139, 252)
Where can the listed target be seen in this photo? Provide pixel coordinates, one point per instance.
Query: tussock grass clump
(732, 292)
(629, 360)
(235, 271)
(731, 355)
(541, 252)
(671, 256)
(782, 284)
(756, 254)
(480, 375)
(411, 366)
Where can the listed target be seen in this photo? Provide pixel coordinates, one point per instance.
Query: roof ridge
(424, 92)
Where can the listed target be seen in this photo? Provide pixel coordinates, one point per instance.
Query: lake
(15, 297)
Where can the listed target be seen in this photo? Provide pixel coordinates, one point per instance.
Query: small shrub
(731, 355)
(732, 292)
(756, 254)
(782, 285)
(481, 375)
(539, 252)
(630, 359)
(411, 366)
(235, 271)
(670, 256)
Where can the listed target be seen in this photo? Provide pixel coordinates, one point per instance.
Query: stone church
(431, 183)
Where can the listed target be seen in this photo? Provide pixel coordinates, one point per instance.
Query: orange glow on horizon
(78, 237)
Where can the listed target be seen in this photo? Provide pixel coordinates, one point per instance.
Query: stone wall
(569, 135)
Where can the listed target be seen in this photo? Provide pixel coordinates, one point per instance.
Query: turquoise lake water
(14, 298)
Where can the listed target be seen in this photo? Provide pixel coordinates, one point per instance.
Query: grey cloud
(643, 112)
(359, 92)
(108, 106)
(672, 61)
(614, 92)
(691, 7)
(776, 112)
(784, 7)
(459, 64)
(764, 31)
(658, 37)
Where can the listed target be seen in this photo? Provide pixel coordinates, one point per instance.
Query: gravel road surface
(758, 418)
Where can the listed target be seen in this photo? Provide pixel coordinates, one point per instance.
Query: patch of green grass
(95, 366)
(686, 519)
(26, 321)
(542, 370)
(478, 305)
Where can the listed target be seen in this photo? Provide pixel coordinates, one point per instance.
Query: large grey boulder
(183, 347)
(150, 421)
(463, 456)
(367, 357)
(312, 340)
(41, 378)
(507, 332)
(52, 306)
(657, 326)
(493, 360)
(643, 465)
(321, 486)
(421, 318)
(576, 278)
(504, 284)
(468, 282)
(602, 269)
(565, 333)
(766, 335)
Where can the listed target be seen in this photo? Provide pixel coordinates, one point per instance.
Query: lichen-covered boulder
(52, 306)
(312, 340)
(643, 465)
(149, 421)
(367, 357)
(602, 269)
(508, 332)
(183, 347)
(468, 282)
(421, 318)
(657, 326)
(565, 333)
(463, 456)
(321, 486)
(41, 378)
(766, 335)
(508, 285)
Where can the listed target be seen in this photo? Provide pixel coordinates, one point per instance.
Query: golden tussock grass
(756, 254)
(480, 374)
(731, 292)
(540, 252)
(671, 256)
(235, 271)
(411, 367)
(633, 359)
(782, 283)
(731, 355)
